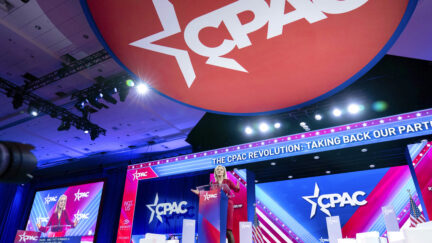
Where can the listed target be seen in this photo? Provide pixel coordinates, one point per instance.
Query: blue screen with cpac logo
(162, 204)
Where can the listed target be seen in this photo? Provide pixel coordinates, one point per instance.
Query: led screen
(68, 214)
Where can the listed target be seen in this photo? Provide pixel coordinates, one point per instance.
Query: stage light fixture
(256, 181)
(142, 88)
(372, 166)
(328, 172)
(354, 108)
(318, 117)
(277, 125)
(94, 134)
(290, 177)
(364, 150)
(65, 125)
(101, 95)
(17, 101)
(115, 90)
(86, 131)
(123, 93)
(264, 127)
(32, 110)
(316, 157)
(273, 163)
(109, 98)
(95, 102)
(379, 106)
(130, 83)
(248, 130)
(337, 112)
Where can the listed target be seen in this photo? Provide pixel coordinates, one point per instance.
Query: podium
(212, 217)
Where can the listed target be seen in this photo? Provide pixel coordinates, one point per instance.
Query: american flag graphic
(416, 216)
(257, 235)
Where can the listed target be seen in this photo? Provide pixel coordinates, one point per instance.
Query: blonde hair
(62, 197)
(225, 172)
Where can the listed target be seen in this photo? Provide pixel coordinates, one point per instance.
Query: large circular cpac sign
(248, 56)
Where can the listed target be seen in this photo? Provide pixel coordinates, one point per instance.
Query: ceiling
(34, 37)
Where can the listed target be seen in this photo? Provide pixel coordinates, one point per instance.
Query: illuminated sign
(162, 209)
(248, 56)
(327, 201)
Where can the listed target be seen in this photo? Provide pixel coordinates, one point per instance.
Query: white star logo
(314, 204)
(150, 207)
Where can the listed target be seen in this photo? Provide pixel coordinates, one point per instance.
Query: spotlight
(273, 163)
(101, 95)
(86, 131)
(115, 90)
(337, 112)
(277, 125)
(142, 88)
(130, 83)
(94, 134)
(94, 102)
(123, 93)
(32, 110)
(17, 101)
(290, 177)
(248, 130)
(318, 117)
(65, 125)
(354, 108)
(316, 157)
(109, 98)
(372, 166)
(264, 127)
(364, 150)
(302, 124)
(379, 106)
(328, 172)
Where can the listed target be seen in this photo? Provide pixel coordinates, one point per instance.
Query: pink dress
(230, 213)
(58, 227)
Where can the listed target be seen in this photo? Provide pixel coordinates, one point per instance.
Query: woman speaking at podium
(59, 220)
(220, 175)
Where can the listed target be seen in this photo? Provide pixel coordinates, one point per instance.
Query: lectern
(212, 218)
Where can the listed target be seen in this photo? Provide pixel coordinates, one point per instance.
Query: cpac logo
(42, 219)
(78, 216)
(327, 201)
(49, 199)
(209, 196)
(127, 205)
(273, 16)
(25, 237)
(163, 209)
(137, 175)
(126, 221)
(79, 195)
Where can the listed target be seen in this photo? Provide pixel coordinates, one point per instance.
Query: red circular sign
(248, 56)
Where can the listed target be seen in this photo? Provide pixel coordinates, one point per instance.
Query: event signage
(248, 56)
(327, 201)
(356, 134)
(23, 236)
(162, 209)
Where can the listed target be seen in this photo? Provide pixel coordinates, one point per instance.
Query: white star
(308, 198)
(149, 206)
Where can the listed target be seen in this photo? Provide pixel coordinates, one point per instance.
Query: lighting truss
(46, 107)
(106, 87)
(72, 68)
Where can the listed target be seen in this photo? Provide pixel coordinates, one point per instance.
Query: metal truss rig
(49, 108)
(72, 68)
